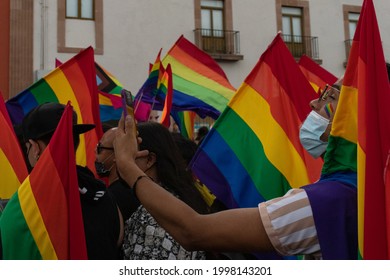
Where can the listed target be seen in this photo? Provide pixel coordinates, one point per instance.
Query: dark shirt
(100, 215)
(125, 198)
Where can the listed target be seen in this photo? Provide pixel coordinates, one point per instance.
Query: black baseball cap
(43, 120)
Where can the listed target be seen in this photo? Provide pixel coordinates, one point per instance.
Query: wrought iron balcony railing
(299, 45)
(218, 42)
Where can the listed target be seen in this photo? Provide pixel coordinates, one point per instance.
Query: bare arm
(231, 230)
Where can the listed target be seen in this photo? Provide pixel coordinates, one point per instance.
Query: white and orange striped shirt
(289, 223)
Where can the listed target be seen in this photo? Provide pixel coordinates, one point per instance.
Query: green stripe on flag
(270, 183)
(11, 240)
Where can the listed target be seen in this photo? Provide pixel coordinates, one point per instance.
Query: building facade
(127, 35)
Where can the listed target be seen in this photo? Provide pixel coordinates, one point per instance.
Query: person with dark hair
(106, 125)
(106, 168)
(144, 237)
(318, 220)
(201, 134)
(100, 213)
(188, 149)
(186, 146)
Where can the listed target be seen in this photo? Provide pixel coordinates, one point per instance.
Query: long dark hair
(171, 167)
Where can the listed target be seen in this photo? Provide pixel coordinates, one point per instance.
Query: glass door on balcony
(213, 35)
(292, 30)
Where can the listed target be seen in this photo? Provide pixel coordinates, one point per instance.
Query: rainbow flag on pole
(12, 165)
(75, 81)
(253, 152)
(109, 93)
(361, 129)
(107, 82)
(199, 83)
(185, 120)
(43, 219)
(165, 85)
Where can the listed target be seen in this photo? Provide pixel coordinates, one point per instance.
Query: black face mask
(101, 170)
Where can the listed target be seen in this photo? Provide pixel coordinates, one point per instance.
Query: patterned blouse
(146, 240)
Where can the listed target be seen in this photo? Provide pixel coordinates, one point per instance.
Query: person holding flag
(321, 219)
(271, 226)
(100, 214)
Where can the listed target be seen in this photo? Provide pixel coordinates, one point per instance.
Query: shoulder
(90, 188)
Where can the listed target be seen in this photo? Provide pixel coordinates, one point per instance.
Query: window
(351, 17)
(80, 9)
(212, 18)
(213, 29)
(292, 24)
(80, 24)
(293, 19)
(292, 30)
(213, 34)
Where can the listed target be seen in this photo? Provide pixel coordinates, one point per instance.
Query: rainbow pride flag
(75, 81)
(361, 130)
(43, 219)
(315, 74)
(366, 82)
(150, 87)
(109, 93)
(165, 85)
(199, 83)
(253, 152)
(185, 120)
(109, 106)
(106, 81)
(12, 165)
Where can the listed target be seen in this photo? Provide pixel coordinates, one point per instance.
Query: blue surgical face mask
(311, 130)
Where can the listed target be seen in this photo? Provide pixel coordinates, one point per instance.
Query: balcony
(219, 44)
(299, 45)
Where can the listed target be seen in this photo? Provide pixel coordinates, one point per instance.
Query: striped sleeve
(289, 223)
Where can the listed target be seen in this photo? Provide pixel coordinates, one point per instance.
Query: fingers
(129, 123)
(142, 153)
(121, 124)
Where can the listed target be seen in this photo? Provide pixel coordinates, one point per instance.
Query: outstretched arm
(230, 230)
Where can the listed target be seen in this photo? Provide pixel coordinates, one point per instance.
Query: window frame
(346, 10)
(61, 23)
(228, 26)
(79, 16)
(306, 45)
(348, 37)
(304, 5)
(291, 18)
(212, 9)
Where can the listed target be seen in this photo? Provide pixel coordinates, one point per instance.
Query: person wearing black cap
(100, 212)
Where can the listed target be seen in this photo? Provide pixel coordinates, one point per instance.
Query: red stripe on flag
(373, 134)
(167, 81)
(193, 51)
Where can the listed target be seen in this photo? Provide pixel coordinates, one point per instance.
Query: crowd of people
(305, 221)
(154, 208)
